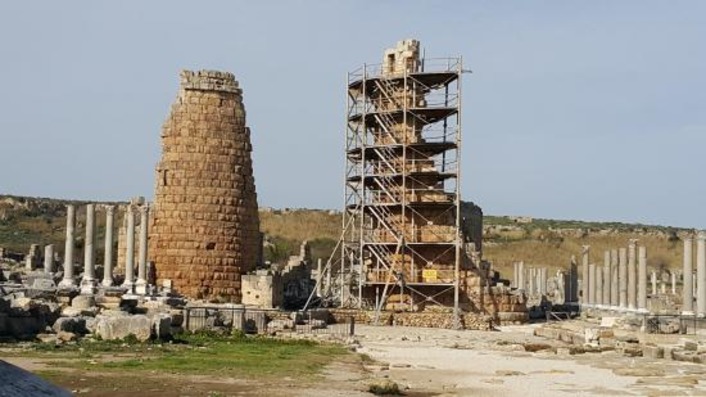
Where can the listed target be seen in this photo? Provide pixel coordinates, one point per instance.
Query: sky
(573, 110)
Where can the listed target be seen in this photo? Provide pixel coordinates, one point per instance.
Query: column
(521, 276)
(141, 284)
(632, 275)
(642, 279)
(32, 257)
(606, 279)
(49, 258)
(599, 286)
(673, 280)
(561, 283)
(653, 279)
(532, 280)
(585, 275)
(89, 251)
(687, 307)
(623, 278)
(543, 281)
(515, 269)
(701, 274)
(592, 284)
(572, 284)
(108, 261)
(614, 280)
(319, 278)
(68, 280)
(328, 281)
(130, 249)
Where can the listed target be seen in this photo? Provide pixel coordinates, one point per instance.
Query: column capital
(701, 235)
(144, 209)
(109, 209)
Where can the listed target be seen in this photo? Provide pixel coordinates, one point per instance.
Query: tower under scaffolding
(405, 245)
(402, 245)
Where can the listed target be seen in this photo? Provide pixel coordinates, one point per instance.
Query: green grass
(198, 354)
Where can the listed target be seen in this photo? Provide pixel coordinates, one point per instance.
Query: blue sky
(574, 110)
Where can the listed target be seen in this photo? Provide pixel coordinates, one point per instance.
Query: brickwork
(205, 227)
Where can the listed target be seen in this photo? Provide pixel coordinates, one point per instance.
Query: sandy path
(470, 363)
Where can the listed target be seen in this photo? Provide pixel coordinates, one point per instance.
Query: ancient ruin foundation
(205, 228)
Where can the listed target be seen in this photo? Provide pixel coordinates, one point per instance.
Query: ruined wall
(205, 228)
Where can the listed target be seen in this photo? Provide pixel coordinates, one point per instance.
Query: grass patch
(198, 354)
(244, 356)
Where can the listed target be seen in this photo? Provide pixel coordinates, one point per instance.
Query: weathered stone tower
(205, 227)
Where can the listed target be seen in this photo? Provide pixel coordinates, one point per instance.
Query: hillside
(546, 242)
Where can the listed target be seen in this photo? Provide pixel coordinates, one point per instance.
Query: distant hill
(548, 242)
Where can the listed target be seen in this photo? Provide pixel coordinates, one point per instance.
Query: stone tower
(205, 227)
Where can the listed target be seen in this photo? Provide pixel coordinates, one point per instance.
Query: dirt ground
(468, 363)
(424, 362)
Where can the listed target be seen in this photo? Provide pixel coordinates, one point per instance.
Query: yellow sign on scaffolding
(429, 275)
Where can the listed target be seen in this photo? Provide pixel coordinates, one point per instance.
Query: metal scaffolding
(402, 243)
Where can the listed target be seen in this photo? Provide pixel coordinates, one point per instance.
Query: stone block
(44, 284)
(22, 303)
(632, 351)
(653, 352)
(66, 336)
(47, 338)
(684, 355)
(111, 328)
(71, 312)
(83, 302)
(76, 325)
(694, 345)
(628, 338)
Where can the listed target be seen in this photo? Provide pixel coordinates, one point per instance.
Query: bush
(384, 387)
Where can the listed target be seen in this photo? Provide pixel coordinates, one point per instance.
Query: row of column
(621, 283)
(88, 281)
(533, 280)
(689, 284)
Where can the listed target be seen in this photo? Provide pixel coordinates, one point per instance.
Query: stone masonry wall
(205, 228)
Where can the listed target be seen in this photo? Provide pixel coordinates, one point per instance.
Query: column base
(141, 287)
(642, 310)
(129, 287)
(67, 283)
(88, 287)
(107, 282)
(688, 313)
